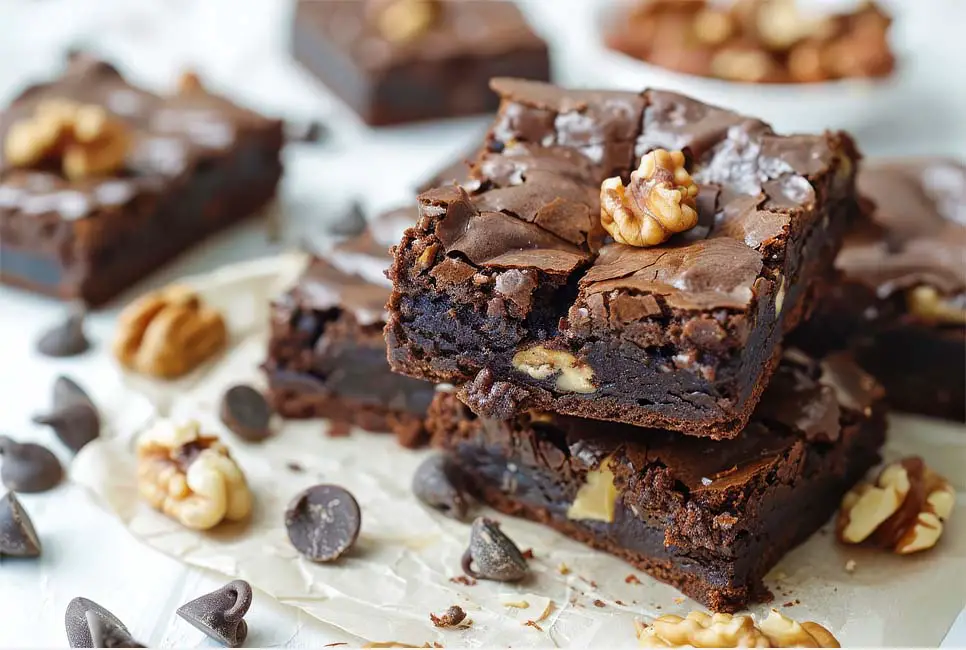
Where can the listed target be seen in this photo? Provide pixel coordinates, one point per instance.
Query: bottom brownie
(710, 518)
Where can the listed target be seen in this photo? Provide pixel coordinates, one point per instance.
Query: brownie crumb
(632, 579)
(463, 580)
(450, 618)
(619, 602)
(788, 604)
(332, 645)
(528, 554)
(599, 603)
(294, 467)
(339, 429)
(532, 623)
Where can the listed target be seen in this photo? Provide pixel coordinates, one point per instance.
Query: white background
(239, 47)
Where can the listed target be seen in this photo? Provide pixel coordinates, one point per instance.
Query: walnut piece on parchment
(701, 630)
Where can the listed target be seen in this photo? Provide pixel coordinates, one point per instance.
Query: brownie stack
(639, 399)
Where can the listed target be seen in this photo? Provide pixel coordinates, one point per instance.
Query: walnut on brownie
(507, 286)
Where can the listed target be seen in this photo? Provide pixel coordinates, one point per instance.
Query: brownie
(710, 518)
(327, 352)
(900, 305)
(508, 288)
(395, 61)
(195, 163)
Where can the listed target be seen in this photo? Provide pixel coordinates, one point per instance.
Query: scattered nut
(658, 202)
(450, 618)
(190, 477)
(701, 630)
(742, 64)
(903, 510)
(83, 139)
(168, 333)
(780, 24)
(597, 497)
(402, 21)
(573, 375)
(495, 555)
(926, 303)
(713, 26)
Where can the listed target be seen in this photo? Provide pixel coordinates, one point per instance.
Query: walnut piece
(190, 477)
(903, 510)
(573, 376)
(597, 497)
(402, 21)
(926, 303)
(701, 630)
(658, 202)
(82, 139)
(168, 333)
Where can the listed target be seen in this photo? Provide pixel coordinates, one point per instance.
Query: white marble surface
(239, 45)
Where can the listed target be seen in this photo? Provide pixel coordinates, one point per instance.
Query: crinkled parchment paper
(400, 569)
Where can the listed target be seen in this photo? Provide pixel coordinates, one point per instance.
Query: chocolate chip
(439, 484)
(66, 339)
(28, 467)
(106, 634)
(17, 535)
(323, 522)
(308, 131)
(73, 417)
(350, 224)
(220, 614)
(245, 411)
(79, 633)
(495, 555)
(450, 618)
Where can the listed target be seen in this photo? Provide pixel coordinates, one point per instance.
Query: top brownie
(102, 181)
(509, 287)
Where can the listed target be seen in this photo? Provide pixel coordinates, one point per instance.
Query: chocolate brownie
(901, 302)
(395, 61)
(509, 289)
(327, 353)
(710, 518)
(185, 165)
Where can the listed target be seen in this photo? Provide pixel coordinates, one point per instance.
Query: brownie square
(900, 302)
(439, 69)
(327, 352)
(508, 288)
(195, 164)
(710, 518)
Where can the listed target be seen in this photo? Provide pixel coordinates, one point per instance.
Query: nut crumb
(788, 604)
(632, 579)
(450, 618)
(850, 566)
(463, 580)
(528, 554)
(679, 599)
(563, 569)
(619, 602)
(599, 603)
(532, 623)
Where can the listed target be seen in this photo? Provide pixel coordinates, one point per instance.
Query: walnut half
(82, 139)
(168, 333)
(658, 202)
(903, 510)
(190, 477)
(702, 630)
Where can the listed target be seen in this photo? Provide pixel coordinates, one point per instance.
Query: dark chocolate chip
(323, 522)
(245, 411)
(495, 555)
(220, 614)
(107, 634)
(65, 339)
(17, 535)
(73, 417)
(79, 633)
(350, 224)
(439, 484)
(450, 618)
(308, 131)
(28, 467)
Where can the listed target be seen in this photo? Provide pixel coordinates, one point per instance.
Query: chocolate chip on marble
(245, 411)
(65, 339)
(79, 633)
(28, 467)
(220, 614)
(495, 555)
(439, 484)
(323, 522)
(350, 224)
(73, 417)
(17, 535)
(107, 634)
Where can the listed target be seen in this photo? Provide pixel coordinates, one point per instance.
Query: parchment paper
(400, 569)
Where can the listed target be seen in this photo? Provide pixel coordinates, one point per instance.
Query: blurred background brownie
(102, 182)
(327, 352)
(900, 304)
(710, 518)
(756, 41)
(398, 61)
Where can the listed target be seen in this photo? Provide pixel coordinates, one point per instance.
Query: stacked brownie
(639, 398)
